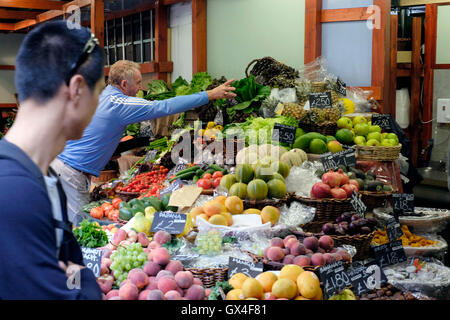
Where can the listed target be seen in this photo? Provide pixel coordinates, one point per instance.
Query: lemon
(349, 105)
(210, 125)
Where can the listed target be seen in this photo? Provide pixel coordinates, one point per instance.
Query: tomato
(207, 176)
(106, 206)
(154, 189)
(217, 174)
(96, 213)
(216, 182)
(204, 183)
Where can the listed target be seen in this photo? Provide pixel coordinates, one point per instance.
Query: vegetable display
(90, 235)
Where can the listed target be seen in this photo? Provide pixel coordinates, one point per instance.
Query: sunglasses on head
(87, 50)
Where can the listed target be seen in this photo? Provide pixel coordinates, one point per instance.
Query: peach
(208, 292)
(161, 256)
(118, 237)
(112, 293)
(297, 249)
(106, 252)
(142, 239)
(302, 261)
(115, 298)
(162, 237)
(143, 295)
(152, 268)
(184, 279)
(291, 242)
(345, 255)
(337, 256)
(164, 274)
(132, 236)
(197, 281)
(311, 243)
(128, 292)
(275, 254)
(291, 236)
(195, 292)
(166, 284)
(155, 295)
(326, 243)
(322, 251)
(289, 259)
(180, 291)
(103, 270)
(105, 283)
(317, 259)
(172, 295)
(277, 242)
(106, 262)
(152, 284)
(154, 245)
(124, 282)
(265, 252)
(174, 266)
(138, 277)
(286, 251)
(329, 258)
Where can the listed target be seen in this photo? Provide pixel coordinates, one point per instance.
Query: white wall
(9, 46)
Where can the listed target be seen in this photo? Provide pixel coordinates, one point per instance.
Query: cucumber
(191, 169)
(184, 176)
(216, 168)
(196, 178)
(199, 172)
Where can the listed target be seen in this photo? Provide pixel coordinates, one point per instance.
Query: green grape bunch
(127, 258)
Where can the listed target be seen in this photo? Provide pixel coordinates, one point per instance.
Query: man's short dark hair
(46, 57)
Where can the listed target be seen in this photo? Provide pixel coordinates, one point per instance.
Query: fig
(328, 228)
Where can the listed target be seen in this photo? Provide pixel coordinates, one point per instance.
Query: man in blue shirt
(118, 108)
(59, 77)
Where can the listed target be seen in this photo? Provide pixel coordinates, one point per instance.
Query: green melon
(239, 190)
(264, 172)
(281, 167)
(277, 189)
(244, 173)
(278, 176)
(257, 190)
(227, 181)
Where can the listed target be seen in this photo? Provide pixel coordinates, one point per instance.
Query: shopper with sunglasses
(118, 108)
(59, 77)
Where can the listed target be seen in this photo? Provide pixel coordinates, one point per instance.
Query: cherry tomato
(217, 174)
(216, 182)
(207, 176)
(204, 183)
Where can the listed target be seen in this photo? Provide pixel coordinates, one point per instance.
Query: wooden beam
(406, 3)
(441, 66)
(161, 27)
(313, 30)
(348, 14)
(8, 105)
(390, 108)
(32, 4)
(7, 67)
(199, 61)
(7, 26)
(171, 2)
(19, 15)
(98, 20)
(124, 13)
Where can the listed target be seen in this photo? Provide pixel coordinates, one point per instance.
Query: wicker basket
(380, 153)
(374, 200)
(255, 204)
(326, 209)
(105, 176)
(127, 196)
(325, 128)
(360, 242)
(209, 276)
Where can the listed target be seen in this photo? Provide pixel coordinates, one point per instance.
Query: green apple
(393, 142)
(385, 143)
(344, 123)
(375, 129)
(361, 129)
(373, 143)
(384, 135)
(392, 136)
(374, 135)
(360, 141)
(369, 123)
(359, 119)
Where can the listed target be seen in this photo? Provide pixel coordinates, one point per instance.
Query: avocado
(359, 173)
(387, 188)
(372, 174)
(360, 183)
(375, 186)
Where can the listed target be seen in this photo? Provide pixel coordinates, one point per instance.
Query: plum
(328, 228)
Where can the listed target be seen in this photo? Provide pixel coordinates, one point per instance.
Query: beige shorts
(76, 185)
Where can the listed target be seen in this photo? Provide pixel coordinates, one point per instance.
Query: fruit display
(145, 181)
(367, 181)
(408, 238)
(212, 130)
(334, 184)
(316, 143)
(346, 294)
(292, 283)
(389, 292)
(349, 223)
(128, 210)
(106, 210)
(311, 252)
(363, 133)
(90, 234)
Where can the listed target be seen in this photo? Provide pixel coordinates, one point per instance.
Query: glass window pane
(146, 24)
(119, 53)
(112, 56)
(119, 30)
(443, 34)
(128, 30)
(350, 60)
(110, 33)
(136, 27)
(147, 55)
(129, 53)
(339, 4)
(137, 51)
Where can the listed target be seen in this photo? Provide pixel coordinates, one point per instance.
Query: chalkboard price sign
(382, 120)
(248, 268)
(334, 278)
(390, 253)
(402, 202)
(358, 204)
(334, 160)
(168, 221)
(92, 259)
(341, 87)
(393, 229)
(284, 133)
(320, 100)
(365, 278)
(177, 184)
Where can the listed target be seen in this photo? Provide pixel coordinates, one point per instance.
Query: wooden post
(98, 20)
(313, 30)
(161, 26)
(199, 61)
(391, 107)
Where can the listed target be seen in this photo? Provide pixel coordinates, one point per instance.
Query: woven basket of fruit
(326, 209)
(325, 128)
(255, 204)
(374, 200)
(379, 153)
(209, 276)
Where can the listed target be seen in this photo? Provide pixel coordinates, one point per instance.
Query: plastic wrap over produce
(437, 250)
(295, 214)
(386, 171)
(301, 179)
(427, 276)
